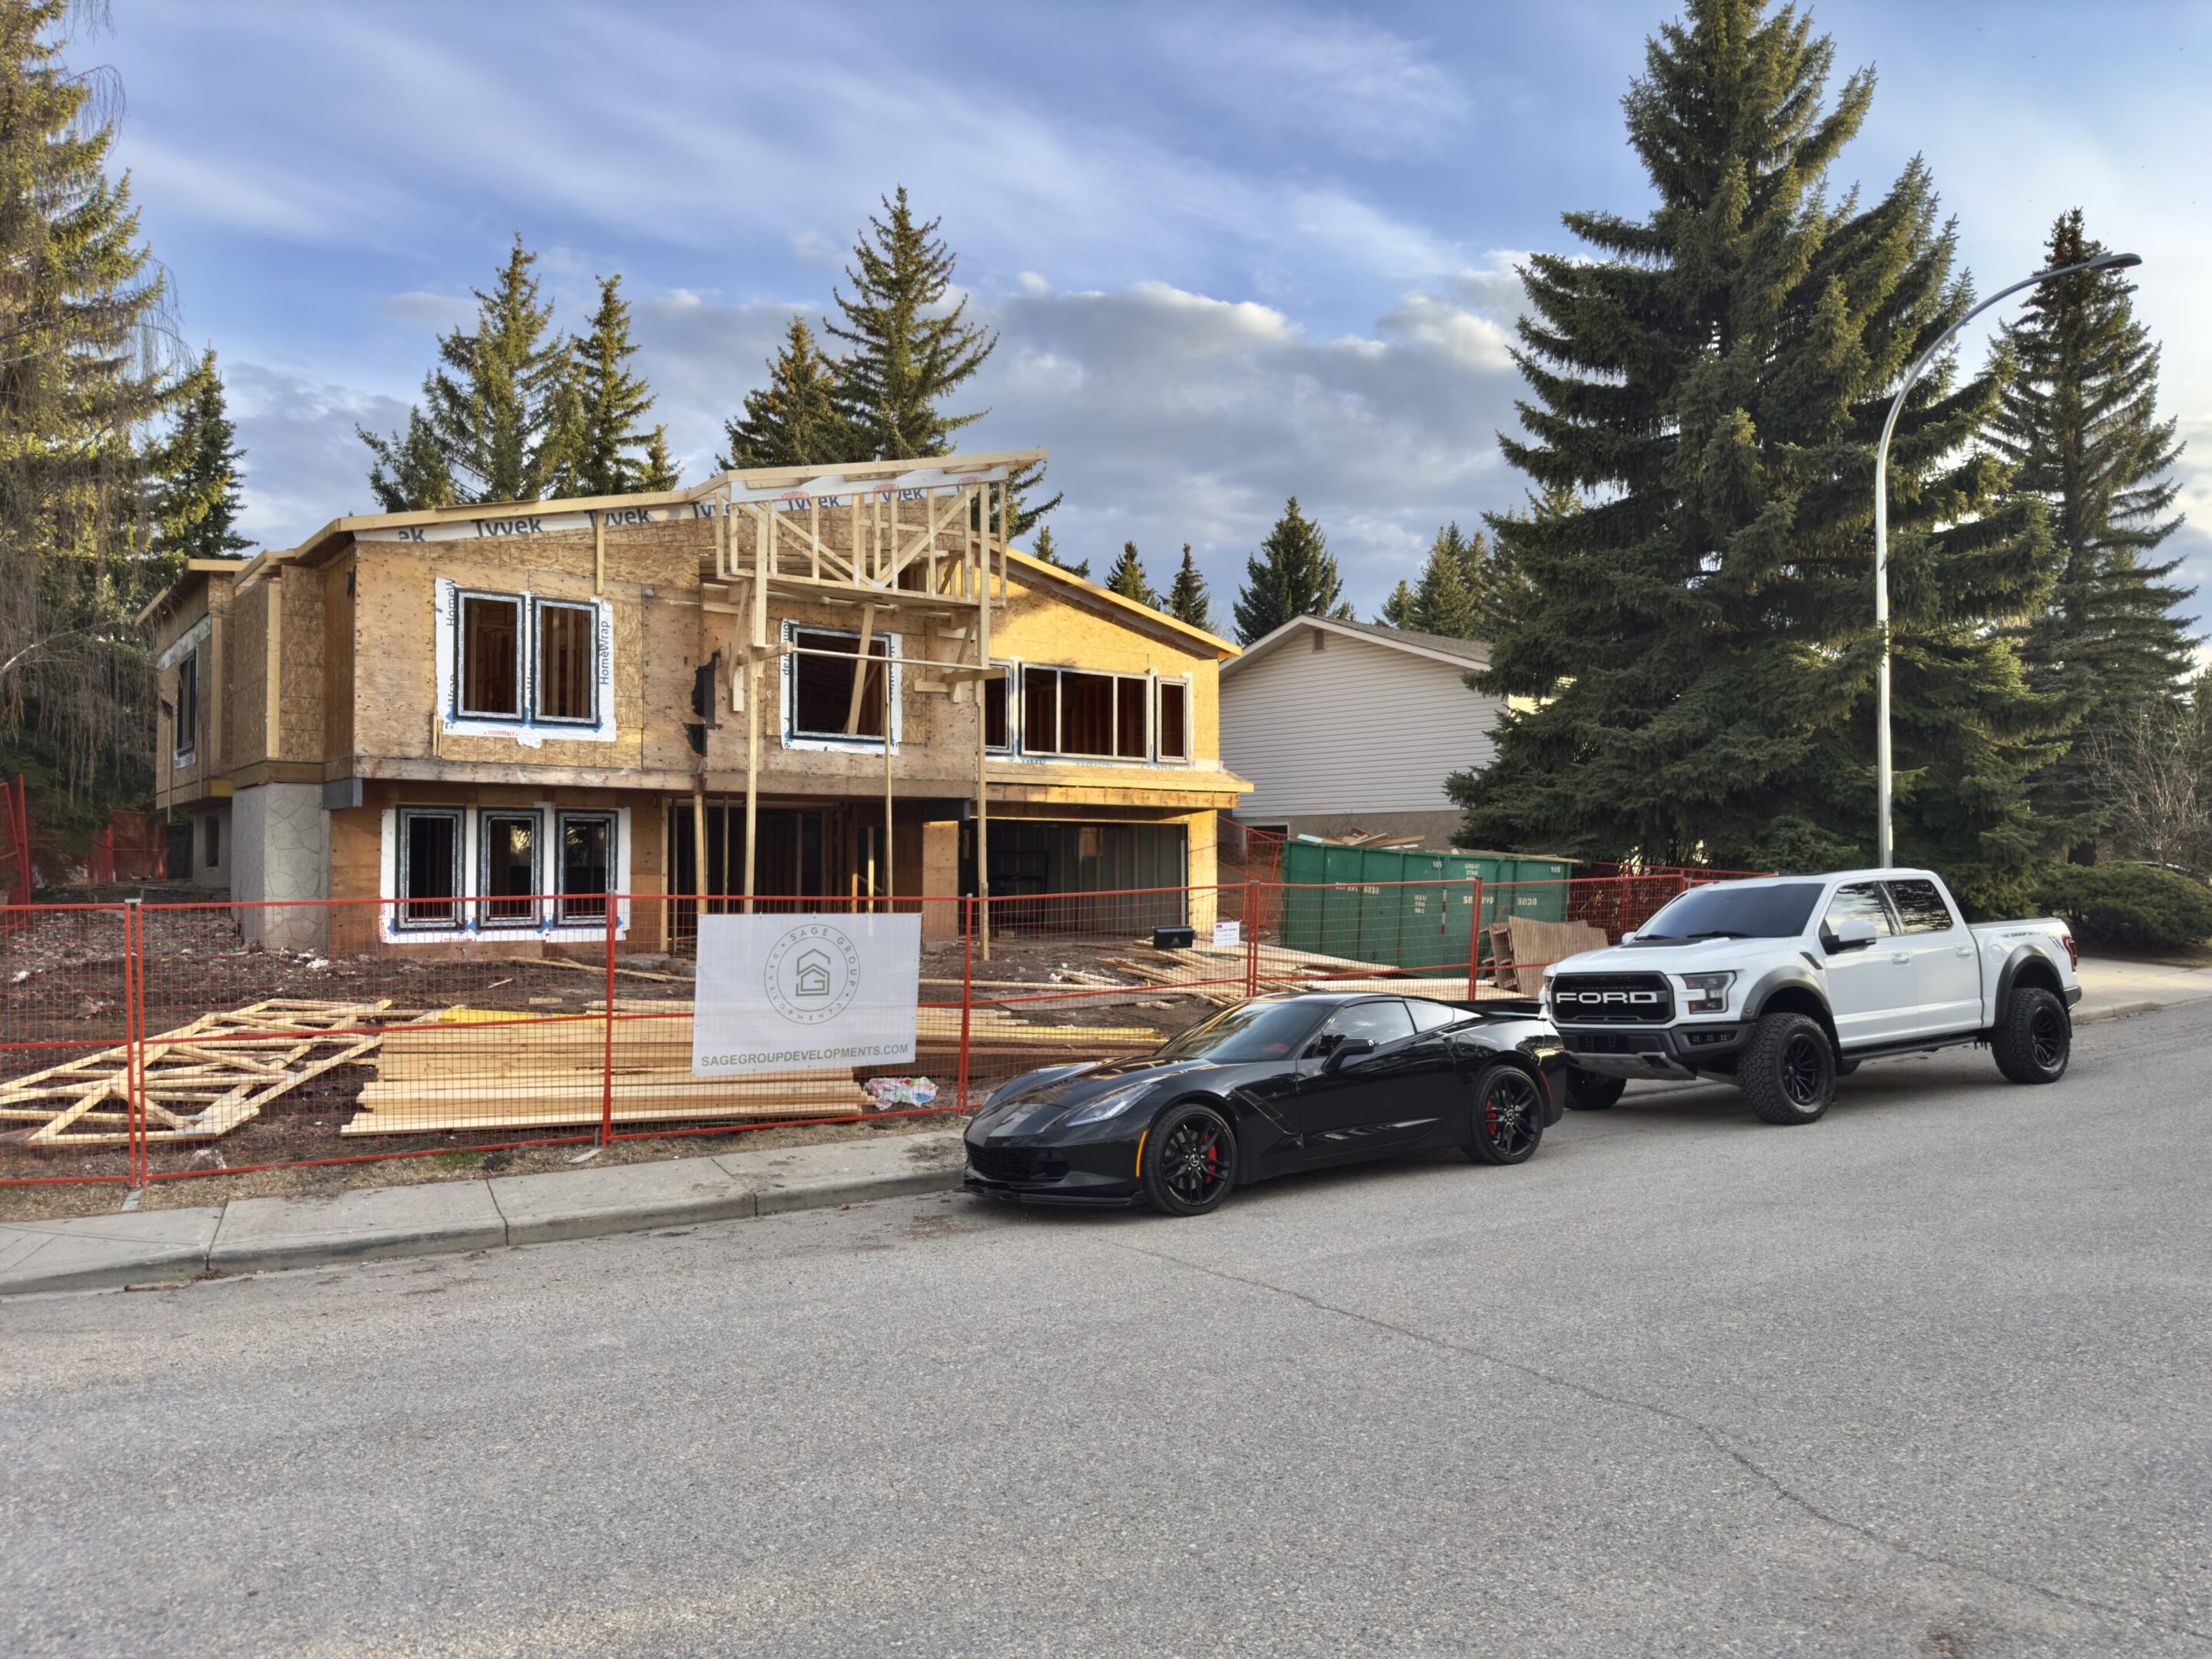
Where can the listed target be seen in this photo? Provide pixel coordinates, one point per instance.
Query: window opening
(821, 687)
(1174, 721)
(996, 737)
(510, 883)
(491, 656)
(567, 675)
(1131, 741)
(214, 842)
(429, 867)
(187, 733)
(587, 862)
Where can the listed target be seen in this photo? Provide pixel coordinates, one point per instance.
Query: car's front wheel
(1592, 1091)
(1190, 1160)
(1788, 1071)
(2036, 1039)
(1509, 1116)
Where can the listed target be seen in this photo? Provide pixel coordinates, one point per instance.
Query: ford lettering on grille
(1612, 1000)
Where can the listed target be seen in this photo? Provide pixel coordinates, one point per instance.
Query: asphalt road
(1933, 1377)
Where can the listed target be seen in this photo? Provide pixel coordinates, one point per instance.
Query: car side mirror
(1629, 937)
(1851, 933)
(1350, 1048)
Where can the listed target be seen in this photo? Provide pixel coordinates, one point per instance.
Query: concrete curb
(269, 1235)
(2122, 1009)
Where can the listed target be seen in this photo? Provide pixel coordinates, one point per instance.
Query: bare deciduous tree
(2151, 765)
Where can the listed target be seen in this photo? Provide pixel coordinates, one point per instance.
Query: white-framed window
(1171, 721)
(1080, 713)
(509, 868)
(565, 638)
(588, 847)
(998, 697)
(431, 881)
(488, 683)
(186, 734)
(823, 707)
(524, 666)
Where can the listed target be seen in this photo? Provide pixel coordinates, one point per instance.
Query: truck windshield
(1251, 1031)
(1732, 910)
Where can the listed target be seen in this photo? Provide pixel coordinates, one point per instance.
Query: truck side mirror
(1851, 933)
(1629, 937)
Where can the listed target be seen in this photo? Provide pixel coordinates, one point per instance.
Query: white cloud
(304, 464)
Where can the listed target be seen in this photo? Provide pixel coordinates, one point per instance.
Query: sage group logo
(812, 974)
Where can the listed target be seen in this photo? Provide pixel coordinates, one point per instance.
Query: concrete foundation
(280, 853)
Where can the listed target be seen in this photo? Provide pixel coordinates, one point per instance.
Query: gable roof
(1124, 610)
(1460, 653)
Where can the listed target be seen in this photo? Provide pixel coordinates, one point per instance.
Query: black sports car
(1272, 1085)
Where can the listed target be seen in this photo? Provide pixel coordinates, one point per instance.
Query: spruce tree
(90, 363)
(1715, 374)
(794, 420)
(658, 470)
(1048, 551)
(1441, 604)
(410, 474)
(1293, 575)
(904, 352)
(1496, 585)
(503, 408)
(1398, 611)
(1126, 578)
(196, 496)
(1187, 600)
(607, 406)
(2080, 420)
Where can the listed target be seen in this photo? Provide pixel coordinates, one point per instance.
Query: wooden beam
(860, 681)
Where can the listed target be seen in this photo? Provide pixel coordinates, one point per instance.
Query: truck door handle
(1963, 951)
(1902, 957)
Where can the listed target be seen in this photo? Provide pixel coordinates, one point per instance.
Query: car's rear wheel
(1509, 1116)
(1788, 1071)
(1592, 1091)
(2036, 1039)
(1190, 1160)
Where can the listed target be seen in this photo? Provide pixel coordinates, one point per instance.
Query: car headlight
(1709, 993)
(1107, 1105)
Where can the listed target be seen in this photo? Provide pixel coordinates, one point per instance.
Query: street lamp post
(2102, 262)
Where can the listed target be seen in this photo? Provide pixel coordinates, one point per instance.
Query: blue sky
(1233, 251)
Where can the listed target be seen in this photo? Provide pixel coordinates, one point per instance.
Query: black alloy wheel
(2036, 1038)
(1788, 1071)
(1190, 1160)
(1592, 1091)
(1509, 1116)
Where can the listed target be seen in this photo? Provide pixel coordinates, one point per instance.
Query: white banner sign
(796, 993)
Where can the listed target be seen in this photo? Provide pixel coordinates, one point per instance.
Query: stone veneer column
(281, 837)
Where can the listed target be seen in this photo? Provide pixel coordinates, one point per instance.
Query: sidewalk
(264, 1234)
(2110, 988)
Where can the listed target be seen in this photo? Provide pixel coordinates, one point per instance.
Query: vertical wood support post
(698, 851)
(967, 994)
(983, 728)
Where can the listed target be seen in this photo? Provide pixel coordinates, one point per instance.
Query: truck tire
(1788, 1071)
(1592, 1091)
(2035, 1039)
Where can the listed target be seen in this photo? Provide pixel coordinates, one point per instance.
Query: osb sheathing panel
(337, 657)
(248, 646)
(299, 666)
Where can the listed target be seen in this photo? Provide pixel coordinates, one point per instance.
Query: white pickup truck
(1787, 983)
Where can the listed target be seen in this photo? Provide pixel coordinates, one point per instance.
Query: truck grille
(1612, 1000)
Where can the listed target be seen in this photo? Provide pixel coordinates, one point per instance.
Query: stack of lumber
(1523, 947)
(997, 1029)
(200, 1080)
(484, 1069)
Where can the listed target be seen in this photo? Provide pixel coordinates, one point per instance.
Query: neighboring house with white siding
(1343, 725)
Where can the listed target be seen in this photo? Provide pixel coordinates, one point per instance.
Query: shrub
(2135, 905)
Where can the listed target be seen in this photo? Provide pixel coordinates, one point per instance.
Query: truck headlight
(1709, 993)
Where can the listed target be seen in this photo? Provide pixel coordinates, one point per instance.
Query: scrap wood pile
(200, 1080)
(1523, 947)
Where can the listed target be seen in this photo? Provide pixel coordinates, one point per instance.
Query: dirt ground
(62, 997)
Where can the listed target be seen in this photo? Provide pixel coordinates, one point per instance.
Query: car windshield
(1732, 910)
(1251, 1031)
